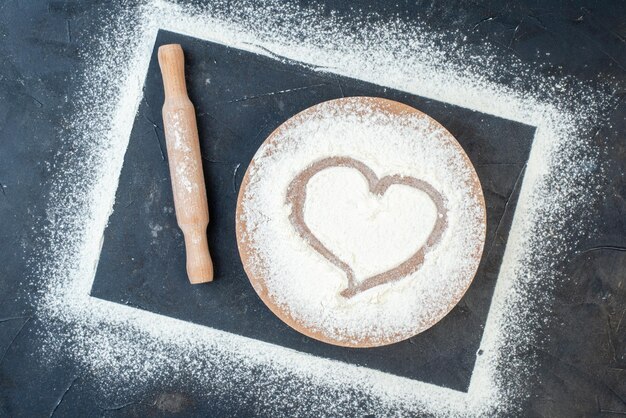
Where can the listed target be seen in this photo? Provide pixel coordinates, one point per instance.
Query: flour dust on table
(127, 349)
(361, 222)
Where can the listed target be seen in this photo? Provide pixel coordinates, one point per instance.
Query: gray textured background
(583, 350)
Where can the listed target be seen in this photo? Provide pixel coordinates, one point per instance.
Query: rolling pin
(185, 161)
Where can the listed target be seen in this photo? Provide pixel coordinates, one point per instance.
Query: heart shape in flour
(380, 238)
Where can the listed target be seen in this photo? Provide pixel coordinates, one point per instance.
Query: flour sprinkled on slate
(128, 349)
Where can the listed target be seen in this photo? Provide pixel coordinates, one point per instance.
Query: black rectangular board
(240, 98)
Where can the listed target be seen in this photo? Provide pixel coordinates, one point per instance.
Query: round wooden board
(247, 251)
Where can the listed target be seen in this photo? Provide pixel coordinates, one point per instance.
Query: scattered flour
(128, 350)
(155, 229)
(303, 282)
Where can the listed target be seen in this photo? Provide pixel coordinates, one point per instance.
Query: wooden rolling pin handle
(199, 264)
(185, 160)
(172, 63)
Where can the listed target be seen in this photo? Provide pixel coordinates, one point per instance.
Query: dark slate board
(240, 98)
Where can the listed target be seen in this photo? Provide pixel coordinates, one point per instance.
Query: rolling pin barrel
(185, 161)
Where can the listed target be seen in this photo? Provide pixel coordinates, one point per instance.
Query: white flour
(372, 233)
(304, 282)
(127, 349)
